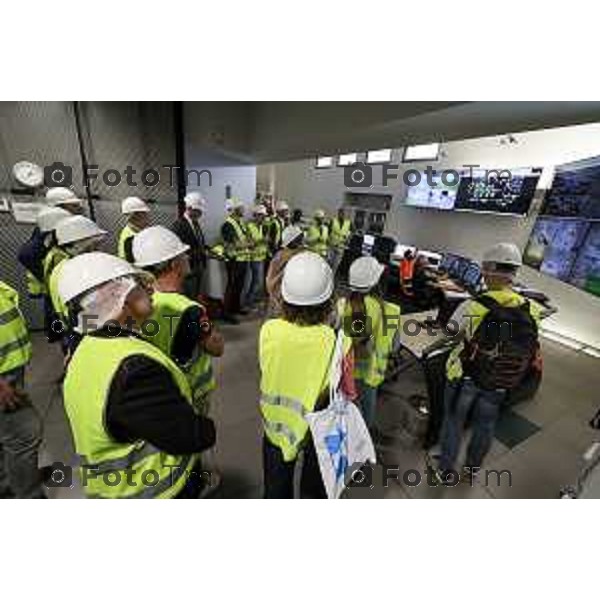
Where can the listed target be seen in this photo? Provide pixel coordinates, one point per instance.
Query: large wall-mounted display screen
(507, 191)
(565, 241)
(439, 195)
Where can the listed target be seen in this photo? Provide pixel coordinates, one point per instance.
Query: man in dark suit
(187, 227)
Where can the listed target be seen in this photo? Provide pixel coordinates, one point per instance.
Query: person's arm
(460, 317)
(31, 255)
(144, 403)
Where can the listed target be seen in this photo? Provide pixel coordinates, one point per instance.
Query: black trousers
(236, 275)
(278, 475)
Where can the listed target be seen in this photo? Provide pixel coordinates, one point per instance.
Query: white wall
(242, 180)
(468, 233)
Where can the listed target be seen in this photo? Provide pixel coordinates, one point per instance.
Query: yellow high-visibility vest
(140, 469)
(236, 251)
(167, 310)
(15, 343)
(54, 256)
(317, 238)
(476, 313)
(127, 232)
(35, 287)
(340, 232)
(294, 364)
(384, 323)
(256, 233)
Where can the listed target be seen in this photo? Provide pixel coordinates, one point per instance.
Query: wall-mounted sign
(26, 212)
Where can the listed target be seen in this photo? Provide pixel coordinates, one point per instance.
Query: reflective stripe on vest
(87, 384)
(340, 233)
(290, 403)
(119, 464)
(234, 251)
(9, 315)
(282, 435)
(15, 344)
(168, 307)
(475, 314)
(294, 362)
(177, 472)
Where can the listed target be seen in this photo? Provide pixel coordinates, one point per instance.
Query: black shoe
(231, 320)
(469, 474)
(243, 311)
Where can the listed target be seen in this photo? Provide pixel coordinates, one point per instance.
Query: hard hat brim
(170, 256)
(326, 295)
(370, 284)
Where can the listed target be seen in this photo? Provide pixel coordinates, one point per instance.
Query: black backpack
(503, 347)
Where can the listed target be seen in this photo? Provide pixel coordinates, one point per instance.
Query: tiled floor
(539, 466)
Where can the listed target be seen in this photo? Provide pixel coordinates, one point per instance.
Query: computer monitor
(433, 258)
(458, 267)
(447, 262)
(368, 244)
(472, 278)
(401, 249)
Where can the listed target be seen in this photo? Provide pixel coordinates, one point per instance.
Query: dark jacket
(144, 403)
(196, 243)
(32, 253)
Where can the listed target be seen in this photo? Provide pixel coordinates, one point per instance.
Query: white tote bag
(339, 432)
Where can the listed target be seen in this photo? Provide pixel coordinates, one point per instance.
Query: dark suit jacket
(196, 243)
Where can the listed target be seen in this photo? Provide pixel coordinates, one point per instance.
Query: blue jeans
(367, 400)
(254, 285)
(459, 397)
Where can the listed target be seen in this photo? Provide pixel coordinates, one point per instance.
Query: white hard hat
(50, 216)
(281, 205)
(233, 203)
(259, 209)
(503, 253)
(133, 205)
(155, 245)
(320, 213)
(89, 270)
(57, 196)
(307, 280)
(195, 201)
(75, 229)
(364, 273)
(289, 234)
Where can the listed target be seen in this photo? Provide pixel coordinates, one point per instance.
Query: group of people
(139, 346)
(250, 245)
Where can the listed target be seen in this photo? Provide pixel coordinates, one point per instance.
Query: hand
(214, 344)
(10, 397)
